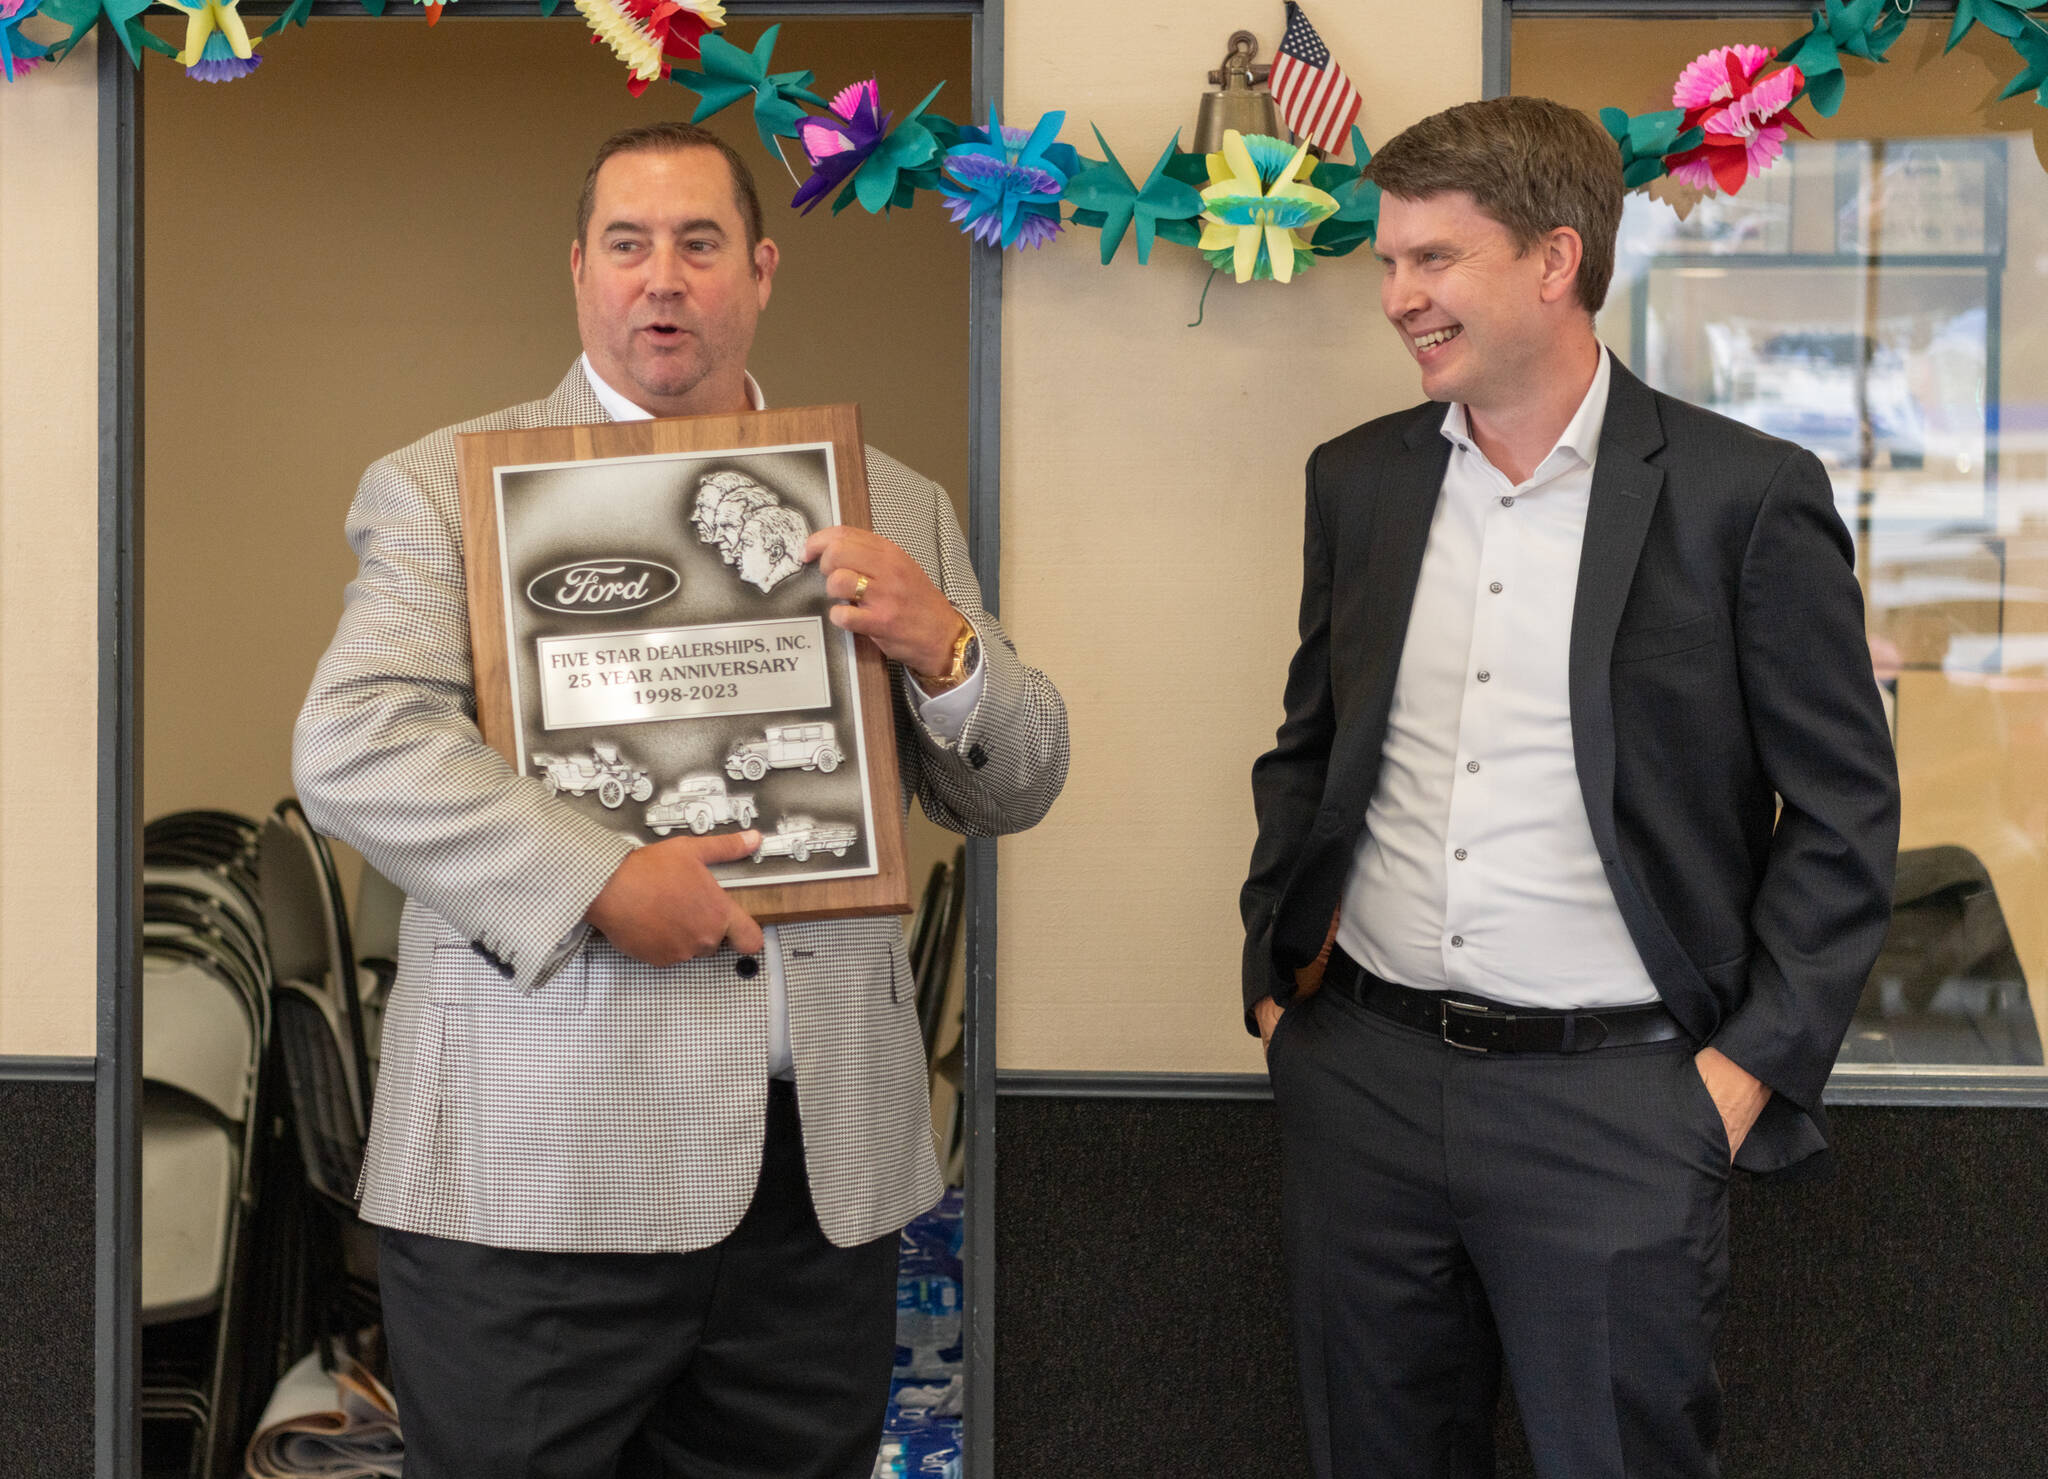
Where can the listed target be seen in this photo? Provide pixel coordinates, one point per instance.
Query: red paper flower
(652, 36)
(1743, 113)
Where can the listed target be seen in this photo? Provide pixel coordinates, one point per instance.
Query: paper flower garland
(1004, 186)
(217, 45)
(1742, 116)
(651, 37)
(1255, 206)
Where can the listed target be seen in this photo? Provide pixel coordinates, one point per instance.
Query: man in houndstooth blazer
(606, 1238)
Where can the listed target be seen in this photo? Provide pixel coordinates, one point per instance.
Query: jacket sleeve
(1818, 724)
(388, 758)
(1287, 781)
(1009, 763)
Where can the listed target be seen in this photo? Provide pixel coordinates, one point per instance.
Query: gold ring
(860, 588)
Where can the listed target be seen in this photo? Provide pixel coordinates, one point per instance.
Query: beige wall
(1152, 530)
(49, 659)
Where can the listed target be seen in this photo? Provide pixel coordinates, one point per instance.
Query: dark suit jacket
(1718, 666)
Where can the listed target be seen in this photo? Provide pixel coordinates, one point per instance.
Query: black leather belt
(1482, 1027)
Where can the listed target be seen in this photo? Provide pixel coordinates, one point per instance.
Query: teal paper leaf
(1105, 193)
(730, 74)
(1861, 28)
(2032, 45)
(2005, 17)
(1335, 238)
(123, 15)
(295, 14)
(1646, 139)
(1189, 169)
(1357, 220)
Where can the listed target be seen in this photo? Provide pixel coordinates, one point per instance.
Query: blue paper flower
(18, 54)
(1003, 185)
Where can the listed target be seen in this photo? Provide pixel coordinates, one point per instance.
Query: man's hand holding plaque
(663, 906)
(889, 600)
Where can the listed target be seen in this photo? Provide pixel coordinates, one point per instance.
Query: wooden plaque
(649, 643)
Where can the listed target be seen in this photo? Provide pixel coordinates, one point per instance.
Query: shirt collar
(1581, 434)
(620, 409)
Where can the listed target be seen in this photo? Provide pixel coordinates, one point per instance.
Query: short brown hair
(1531, 164)
(668, 138)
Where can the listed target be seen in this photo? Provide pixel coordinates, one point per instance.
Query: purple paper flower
(218, 62)
(1032, 229)
(1003, 185)
(839, 143)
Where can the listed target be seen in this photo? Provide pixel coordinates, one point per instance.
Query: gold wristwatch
(965, 647)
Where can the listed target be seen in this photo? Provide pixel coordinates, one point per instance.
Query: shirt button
(1495, 587)
(1507, 503)
(1484, 676)
(1473, 766)
(1457, 942)
(1459, 854)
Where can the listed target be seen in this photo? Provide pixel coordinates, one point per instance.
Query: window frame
(1937, 1085)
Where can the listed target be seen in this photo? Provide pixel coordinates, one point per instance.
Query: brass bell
(1240, 104)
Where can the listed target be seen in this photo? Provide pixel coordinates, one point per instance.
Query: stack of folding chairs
(323, 1026)
(259, 1050)
(205, 1024)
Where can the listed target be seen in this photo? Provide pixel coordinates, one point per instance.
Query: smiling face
(1486, 321)
(667, 292)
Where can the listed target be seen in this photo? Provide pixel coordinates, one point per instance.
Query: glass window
(1881, 296)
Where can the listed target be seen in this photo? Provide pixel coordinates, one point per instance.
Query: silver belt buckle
(1446, 1007)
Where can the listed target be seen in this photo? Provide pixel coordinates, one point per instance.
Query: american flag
(1316, 99)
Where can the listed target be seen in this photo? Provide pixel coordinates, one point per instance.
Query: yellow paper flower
(217, 44)
(1255, 204)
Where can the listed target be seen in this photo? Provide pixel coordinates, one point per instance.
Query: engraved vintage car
(799, 836)
(813, 746)
(602, 771)
(699, 802)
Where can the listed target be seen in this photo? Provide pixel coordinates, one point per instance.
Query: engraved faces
(753, 529)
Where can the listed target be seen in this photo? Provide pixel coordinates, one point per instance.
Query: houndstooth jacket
(576, 1099)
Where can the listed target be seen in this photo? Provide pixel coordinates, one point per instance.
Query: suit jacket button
(748, 967)
(977, 756)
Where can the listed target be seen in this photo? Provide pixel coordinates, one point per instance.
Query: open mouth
(664, 333)
(1436, 338)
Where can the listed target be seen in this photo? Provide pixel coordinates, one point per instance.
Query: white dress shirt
(1478, 872)
(945, 714)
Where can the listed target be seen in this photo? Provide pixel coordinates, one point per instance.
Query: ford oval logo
(589, 587)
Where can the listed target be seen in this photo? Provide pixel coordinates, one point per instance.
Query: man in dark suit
(1582, 817)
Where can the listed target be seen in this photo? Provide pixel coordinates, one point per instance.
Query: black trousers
(766, 1356)
(1447, 1212)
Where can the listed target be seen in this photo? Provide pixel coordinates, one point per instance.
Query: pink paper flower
(1744, 115)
